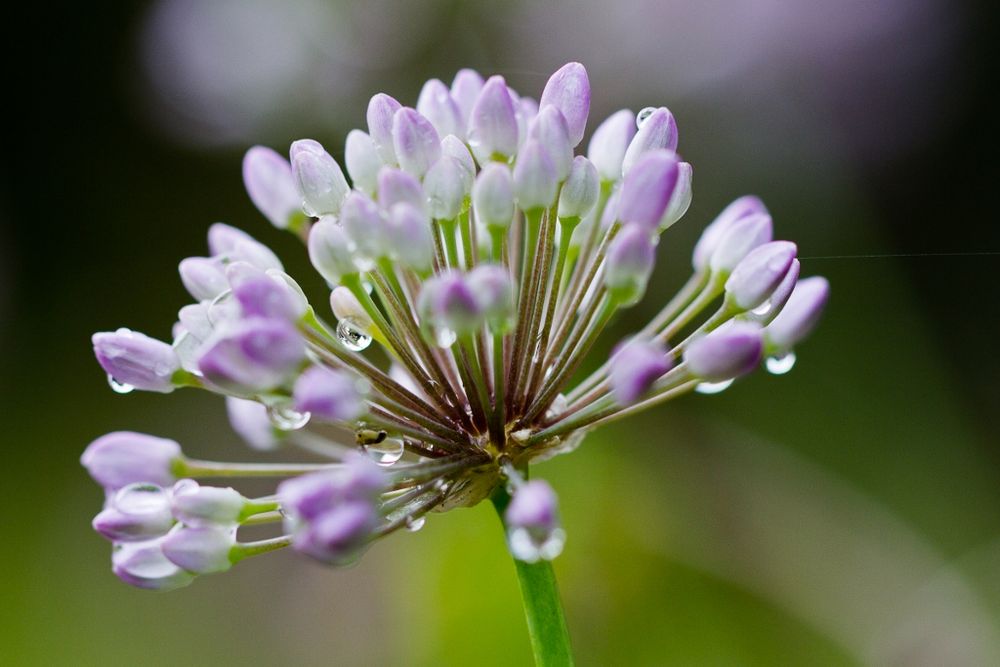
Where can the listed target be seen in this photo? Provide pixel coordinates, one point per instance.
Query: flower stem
(542, 606)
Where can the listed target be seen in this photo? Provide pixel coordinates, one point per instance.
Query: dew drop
(780, 365)
(643, 115)
(141, 498)
(223, 308)
(526, 547)
(352, 335)
(187, 347)
(444, 337)
(386, 452)
(415, 524)
(286, 418)
(713, 387)
(762, 309)
(119, 387)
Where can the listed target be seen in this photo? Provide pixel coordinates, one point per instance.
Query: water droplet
(526, 546)
(186, 347)
(386, 452)
(762, 309)
(141, 498)
(286, 418)
(643, 115)
(223, 308)
(444, 337)
(352, 335)
(780, 365)
(119, 387)
(713, 387)
(415, 524)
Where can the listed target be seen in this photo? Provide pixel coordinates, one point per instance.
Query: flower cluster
(483, 258)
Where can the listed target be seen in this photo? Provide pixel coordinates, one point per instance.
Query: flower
(486, 260)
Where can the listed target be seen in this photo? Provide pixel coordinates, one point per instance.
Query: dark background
(846, 513)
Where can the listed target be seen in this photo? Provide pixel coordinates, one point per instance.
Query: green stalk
(542, 605)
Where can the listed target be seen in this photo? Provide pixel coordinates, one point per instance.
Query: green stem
(542, 606)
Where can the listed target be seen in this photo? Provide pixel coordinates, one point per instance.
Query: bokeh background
(847, 513)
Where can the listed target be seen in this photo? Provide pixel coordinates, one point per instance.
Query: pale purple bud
(680, 200)
(759, 273)
(453, 304)
(143, 565)
(338, 535)
(381, 109)
(362, 161)
(203, 277)
(362, 221)
(494, 293)
(453, 147)
(263, 295)
(532, 520)
(465, 89)
(647, 189)
(610, 213)
(610, 141)
(135, 359)
(436, 105)
(396, 186)
(447, 184)
(410, 237)
(629, 264)
(201, 550)
(137, 512)
(549, 129)
(770, 308)
(709, 241)
(123, 457)
(635, 366)
(730, 351)
(197, 505)
(797, 319)
(527, 110)
(657, 130)
(328, 395)
(493, 132)
(535, 178)
(581, 189)
(743, 236)
(330, 250)
(193, 318)
(308, 496)
(252, 355)
(569, 91)
(416, 142)
(320, 181)
(234, 244)
(493, 196)
(251, 422)
(268, 180)
(346, 306)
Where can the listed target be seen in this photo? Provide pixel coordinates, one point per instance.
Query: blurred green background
(847, 513)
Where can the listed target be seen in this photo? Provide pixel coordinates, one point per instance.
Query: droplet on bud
(352, 335)
(643, 115)
(781, 364)
(286, 418)
(386, 452)
(712, 387)
(119, 387)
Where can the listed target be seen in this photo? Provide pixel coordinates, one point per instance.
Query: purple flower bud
(262, 295)
(493, 132)
(251, 422)
(629, 263)
(493, 196)
(197, 505)
(635, 366)
(797, 319)
(339, 535)
(143, 565)
(680, 200)
(415, 140)
(647, 189)
(362, 221)
(453, 147)
(743, 236)
(759, 273)
(410, 237)
(658, 130)
(362, 161)
(535, 179)
(581, 189)
(328, 395)
(447, 184)
(732, 350)
(381, 109)
(709, 241)
(201, 550)
(395, 187)
(319, 179)
(767, 311)
(307, 497)
(203, 277)
(236, 245)
(526, 110)
(569, 91)
(610, 213)
(137, 512)
(549, 129)
(436, 105)
(135, 359)
(330, 250)
(123, 457)
(494, 293)
(610, 141)
(453, 305)
(532, 519)
(252, 355)
(465, 89)
(268, 180)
